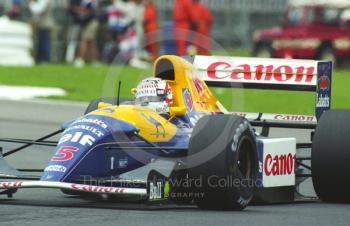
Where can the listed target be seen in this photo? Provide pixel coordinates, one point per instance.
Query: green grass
(81, 84)
(232, 52)
(89, 83)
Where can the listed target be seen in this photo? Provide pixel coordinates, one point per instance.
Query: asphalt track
(50, 207)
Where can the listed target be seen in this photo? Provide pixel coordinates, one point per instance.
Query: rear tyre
(223, 157)
(330, 159)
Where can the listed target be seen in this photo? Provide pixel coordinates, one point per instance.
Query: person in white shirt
(43, 19)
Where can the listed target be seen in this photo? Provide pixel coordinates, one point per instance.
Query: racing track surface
(50, 207)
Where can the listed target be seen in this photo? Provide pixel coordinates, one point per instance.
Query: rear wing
(260, 73)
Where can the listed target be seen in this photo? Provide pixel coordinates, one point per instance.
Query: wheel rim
(244, 162)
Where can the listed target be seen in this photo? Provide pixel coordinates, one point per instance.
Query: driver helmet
(154, 93)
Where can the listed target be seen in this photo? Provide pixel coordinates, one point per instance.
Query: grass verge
(85, 84)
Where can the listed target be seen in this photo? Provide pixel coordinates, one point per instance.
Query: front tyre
(223, 156)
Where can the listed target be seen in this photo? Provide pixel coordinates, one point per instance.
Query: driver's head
(155, 94)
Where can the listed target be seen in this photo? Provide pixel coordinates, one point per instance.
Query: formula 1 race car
(199, 153)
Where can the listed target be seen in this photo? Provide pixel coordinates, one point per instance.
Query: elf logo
(78, 137)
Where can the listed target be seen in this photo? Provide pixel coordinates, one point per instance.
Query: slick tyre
(94, 104)
(330, 157)
(223, 158)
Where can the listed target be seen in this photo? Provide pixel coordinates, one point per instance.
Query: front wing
(7, 185)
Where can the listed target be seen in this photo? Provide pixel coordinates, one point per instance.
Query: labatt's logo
(279, 165)
(322, 101)
(265, 73)
(323, 86)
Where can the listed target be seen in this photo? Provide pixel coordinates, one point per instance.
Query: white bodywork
(278, 162)
(310, 119)
(263, 71)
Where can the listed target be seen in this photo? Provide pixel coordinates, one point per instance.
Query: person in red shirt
(151, 27)
(203, 20)
(183, 20)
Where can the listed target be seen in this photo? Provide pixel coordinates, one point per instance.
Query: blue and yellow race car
(190, 150)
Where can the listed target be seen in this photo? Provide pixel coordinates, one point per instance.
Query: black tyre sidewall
(330, 157)
(231, 195)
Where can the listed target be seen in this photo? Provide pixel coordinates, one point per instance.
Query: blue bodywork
(96, 146)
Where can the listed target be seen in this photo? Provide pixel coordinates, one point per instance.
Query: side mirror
(133, 91)
(103, 105)
(177, 111)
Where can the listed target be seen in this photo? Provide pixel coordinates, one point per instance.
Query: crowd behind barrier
(95, 31)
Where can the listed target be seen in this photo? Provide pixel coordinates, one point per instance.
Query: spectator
(121, 22)
(183, 21)
(203, 20)
(118, 20)
(138, 12)
(151, 27)
(126, 21)
(84, 13)
(14, 9)
(43, 20)
(73, 31)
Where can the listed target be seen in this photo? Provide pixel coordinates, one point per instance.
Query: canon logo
(91, 188)
(279, 165)
(294, 118)
(246, 72)
(11, 184)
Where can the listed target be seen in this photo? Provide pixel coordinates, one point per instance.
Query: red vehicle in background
(311, 30)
